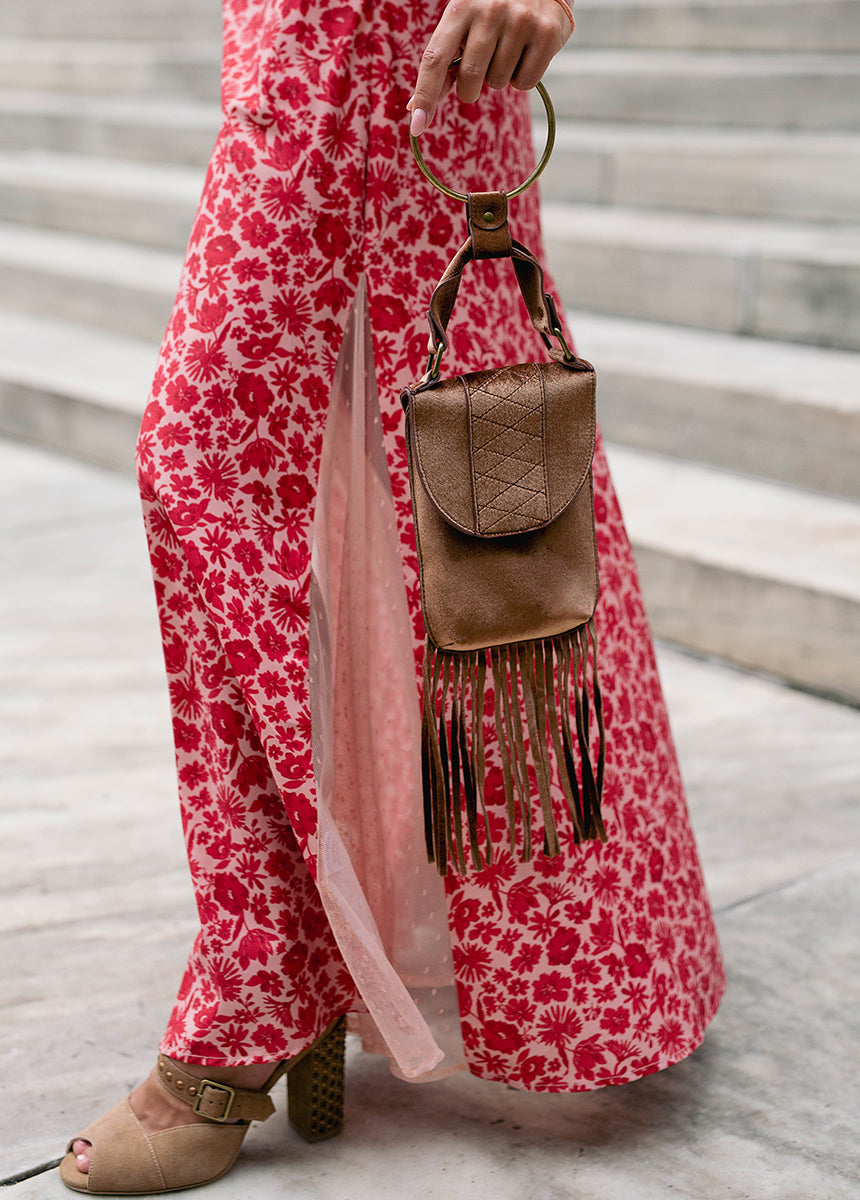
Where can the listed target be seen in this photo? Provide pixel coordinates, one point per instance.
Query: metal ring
(544, 158)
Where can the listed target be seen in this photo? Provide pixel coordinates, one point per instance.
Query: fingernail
(419, 122)
(409, 103)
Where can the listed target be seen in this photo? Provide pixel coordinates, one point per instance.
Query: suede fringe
(535, 734)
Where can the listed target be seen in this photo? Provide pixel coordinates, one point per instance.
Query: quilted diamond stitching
(508, 467)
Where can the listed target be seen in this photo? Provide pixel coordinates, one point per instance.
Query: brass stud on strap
(489, 214)
(179, 1085)
(192, 1091)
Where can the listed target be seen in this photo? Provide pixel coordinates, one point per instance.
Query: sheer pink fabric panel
(386, 905)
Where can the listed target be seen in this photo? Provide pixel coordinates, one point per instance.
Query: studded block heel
(127, 1160)
(315, 1086)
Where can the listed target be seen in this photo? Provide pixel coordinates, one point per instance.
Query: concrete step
(775, 280)
(111, 19)
(771, 279)
(774, 91)
(732, 172)
(132, 202)
(763, 575)
(771, 409)
(157, 129)
(759, 574)
(809, 25)
(90, 281)
(75, 390)
(180, 68)
(807, 176)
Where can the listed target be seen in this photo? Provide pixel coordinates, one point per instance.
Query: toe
(81, 1150)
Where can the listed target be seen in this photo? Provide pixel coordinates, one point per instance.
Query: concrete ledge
(752, 572)
(767, 278)
(791, 91)
(90, 281)
(784, 412)
(708, 24)
(181, 68)
(154, 129)
(744, 173)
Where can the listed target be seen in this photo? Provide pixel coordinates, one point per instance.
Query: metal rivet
(179, 1085)
(169, 1074)
(489, 215)
(192, 1091)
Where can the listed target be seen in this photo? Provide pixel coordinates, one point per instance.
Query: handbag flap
(505, 451)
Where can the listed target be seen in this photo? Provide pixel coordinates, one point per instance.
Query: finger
(443, 46)
(506, 60)
(477, 55)
(531, 67)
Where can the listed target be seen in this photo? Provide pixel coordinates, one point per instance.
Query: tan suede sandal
(128, 1161)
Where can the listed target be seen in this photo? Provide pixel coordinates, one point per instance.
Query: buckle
(219, 1087)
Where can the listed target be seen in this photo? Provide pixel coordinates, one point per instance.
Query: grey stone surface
(154, 129)
(184, 68)
(757, 573)
(89, 281)
(719, 24)
(790, 91)
(73, 389)
(790, 413)
(126, 201)
(97, 917)
(113, 19)
(740, 172)
(776, 279)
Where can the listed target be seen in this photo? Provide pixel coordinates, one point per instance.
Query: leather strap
(215, 1101)
(488, 224)
(540, 305)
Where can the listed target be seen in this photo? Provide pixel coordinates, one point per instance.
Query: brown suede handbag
(500, 474)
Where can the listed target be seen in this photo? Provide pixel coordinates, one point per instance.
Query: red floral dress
(594, 967)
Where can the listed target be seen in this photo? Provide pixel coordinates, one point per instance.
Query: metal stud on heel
(315, 1086)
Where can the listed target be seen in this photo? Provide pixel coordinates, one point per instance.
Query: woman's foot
(157, 1109)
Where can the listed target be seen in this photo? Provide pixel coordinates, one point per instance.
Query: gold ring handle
(544, 158)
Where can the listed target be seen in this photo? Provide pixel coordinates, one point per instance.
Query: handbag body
(500, 475)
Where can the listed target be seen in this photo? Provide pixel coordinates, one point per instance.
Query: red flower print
(338, 21)
(615, 1020)
(563, 946)
(332, 236)
(295, 491)
(551, 986)
(243, 655)
(230, 893)
(227, 721)
(256, 945)
(220, 250)
(257, 231)
(181, 395)
(521, 899)
(271, 1039)
(637, 960)
(253, 395)
(497, 1035)
(587, 1056)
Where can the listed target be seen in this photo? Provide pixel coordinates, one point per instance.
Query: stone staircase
(702, 213)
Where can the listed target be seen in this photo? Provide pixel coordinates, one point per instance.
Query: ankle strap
(215, 1101)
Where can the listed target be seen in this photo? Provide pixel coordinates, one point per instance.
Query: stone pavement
(97, 917)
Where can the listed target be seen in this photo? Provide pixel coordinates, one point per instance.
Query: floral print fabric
(594, 967)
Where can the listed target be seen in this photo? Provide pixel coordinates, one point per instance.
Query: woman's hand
(500, 41)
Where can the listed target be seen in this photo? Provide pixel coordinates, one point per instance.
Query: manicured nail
(419, 122)
(409, 103)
